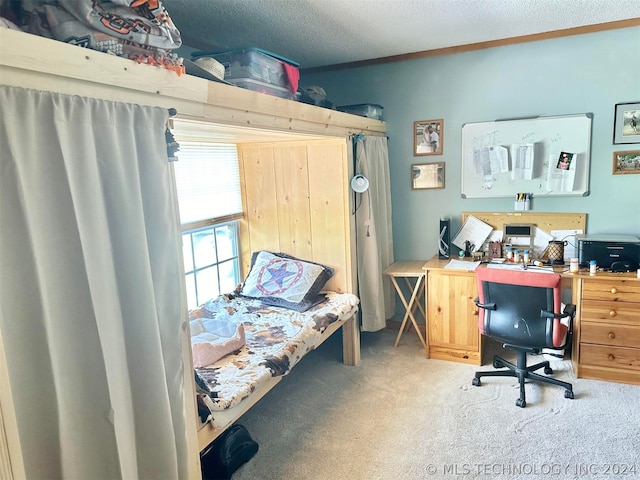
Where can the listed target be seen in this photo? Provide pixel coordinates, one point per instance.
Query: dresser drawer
(611, 334)
(611, 312)
(611, 290)
(612, 357)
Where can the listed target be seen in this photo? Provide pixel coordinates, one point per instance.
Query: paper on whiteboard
(559, 180)
(474, 231)
(491, 160)
(522, 161)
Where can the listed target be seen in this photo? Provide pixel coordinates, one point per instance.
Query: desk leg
(409, 309)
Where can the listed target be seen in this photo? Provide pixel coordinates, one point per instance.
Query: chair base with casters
(523, 311)
(523, 372)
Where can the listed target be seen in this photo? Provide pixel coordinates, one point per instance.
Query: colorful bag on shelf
(141, 30)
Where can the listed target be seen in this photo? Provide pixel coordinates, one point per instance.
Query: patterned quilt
(276, 339)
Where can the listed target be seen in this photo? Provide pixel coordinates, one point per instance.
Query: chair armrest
(486, 306)
(570, 310)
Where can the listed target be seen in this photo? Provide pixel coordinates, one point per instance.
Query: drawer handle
(612, 335)
(614, 290)
(612, 313)
(611, 357)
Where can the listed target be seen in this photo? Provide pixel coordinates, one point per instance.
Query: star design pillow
(285, 281)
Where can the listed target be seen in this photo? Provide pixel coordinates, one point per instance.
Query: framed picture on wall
(626, 123)
(427, 175)
(626, 162)
(428, 137)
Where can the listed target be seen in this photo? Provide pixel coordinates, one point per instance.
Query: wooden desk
(452, 316)
(606, 329)
(410, 271)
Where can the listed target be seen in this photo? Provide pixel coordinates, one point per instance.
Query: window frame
(200, 289)
(191, 284)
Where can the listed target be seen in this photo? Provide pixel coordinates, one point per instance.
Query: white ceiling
(318, 33)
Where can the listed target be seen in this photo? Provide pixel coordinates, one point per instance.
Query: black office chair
(522, 310)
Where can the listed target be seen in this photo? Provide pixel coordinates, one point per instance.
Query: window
(210, 261)
(208, 186)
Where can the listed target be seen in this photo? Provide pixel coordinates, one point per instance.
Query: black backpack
(227, 453)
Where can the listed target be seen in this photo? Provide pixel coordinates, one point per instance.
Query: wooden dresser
(607, 330)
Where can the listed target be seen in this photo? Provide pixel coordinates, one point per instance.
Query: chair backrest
(520, 297)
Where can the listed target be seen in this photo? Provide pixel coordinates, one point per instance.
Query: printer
(618, 253)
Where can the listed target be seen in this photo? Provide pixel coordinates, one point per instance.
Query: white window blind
(207, 181)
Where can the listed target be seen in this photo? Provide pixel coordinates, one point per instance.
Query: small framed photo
(626, 123)
(428, 137)
(427, 175)
(626, 162)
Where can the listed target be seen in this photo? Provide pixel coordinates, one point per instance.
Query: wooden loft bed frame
(31, 61)
(263, 126)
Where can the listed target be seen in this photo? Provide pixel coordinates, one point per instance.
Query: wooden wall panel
(329, 203)
(292, 190)
(260, 202)
(296, 200)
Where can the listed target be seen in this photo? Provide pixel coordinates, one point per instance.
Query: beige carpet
(400, 416)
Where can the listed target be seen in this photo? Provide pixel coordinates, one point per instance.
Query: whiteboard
(504, 157)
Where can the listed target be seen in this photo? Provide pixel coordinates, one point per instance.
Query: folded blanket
(212, 339)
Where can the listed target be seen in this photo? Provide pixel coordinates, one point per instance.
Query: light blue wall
(578, 74)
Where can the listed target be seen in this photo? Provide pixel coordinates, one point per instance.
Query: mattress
(276, 339)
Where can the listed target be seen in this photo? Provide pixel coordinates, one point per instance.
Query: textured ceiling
(318, 33)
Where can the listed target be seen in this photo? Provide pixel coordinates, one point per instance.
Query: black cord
(356, 207)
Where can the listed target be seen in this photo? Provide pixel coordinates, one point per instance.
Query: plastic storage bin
(251, 64)
(364, 110)
(262, 87)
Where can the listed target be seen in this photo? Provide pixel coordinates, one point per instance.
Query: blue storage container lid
(213, 53)
(359, 105)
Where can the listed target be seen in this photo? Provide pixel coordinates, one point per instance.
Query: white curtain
(374, 233)
(90, 295)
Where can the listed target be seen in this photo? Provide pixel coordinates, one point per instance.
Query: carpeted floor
(400, 416)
